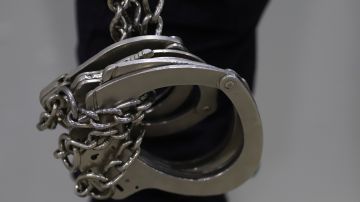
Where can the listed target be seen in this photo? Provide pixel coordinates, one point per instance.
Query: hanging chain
(62, 108)
(133, 18)
(102, 128)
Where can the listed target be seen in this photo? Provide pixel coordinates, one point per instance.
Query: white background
(307, 90)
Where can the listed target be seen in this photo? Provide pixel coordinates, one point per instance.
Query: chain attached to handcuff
(124, 117)
(62, 108)
(153, 84)
(127, 20)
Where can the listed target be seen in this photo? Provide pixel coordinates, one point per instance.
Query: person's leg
(220, 32)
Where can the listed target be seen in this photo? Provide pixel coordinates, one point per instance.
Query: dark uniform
(223, 33)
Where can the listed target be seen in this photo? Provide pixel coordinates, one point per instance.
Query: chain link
(127, 19)
(101, 187)
(105, 125)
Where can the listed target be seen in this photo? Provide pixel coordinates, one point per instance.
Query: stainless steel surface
(122, 68)
(85, 82)
(164, 122)
(307, 91)
(226, 169)
(104, 103)
(122, 26)
(104, 141)
(109, 55)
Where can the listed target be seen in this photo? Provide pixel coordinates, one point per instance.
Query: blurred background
(308, 92)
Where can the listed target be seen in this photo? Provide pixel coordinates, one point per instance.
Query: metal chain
(127, 20)
(103, 126)
(98, 185)
(62, 108)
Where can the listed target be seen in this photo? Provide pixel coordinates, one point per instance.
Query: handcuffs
(149, 86)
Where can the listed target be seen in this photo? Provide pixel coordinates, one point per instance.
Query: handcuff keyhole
(120, 188)
(94, 157)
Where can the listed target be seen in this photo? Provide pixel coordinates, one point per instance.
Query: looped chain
(152, 17)
(100, 129)
(127, 19)
(104, 125)
(101, 187)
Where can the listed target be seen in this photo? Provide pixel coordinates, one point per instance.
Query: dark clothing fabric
(220, 32)
(223, 33)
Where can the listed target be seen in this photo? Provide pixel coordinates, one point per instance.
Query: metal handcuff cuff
(148, 86)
